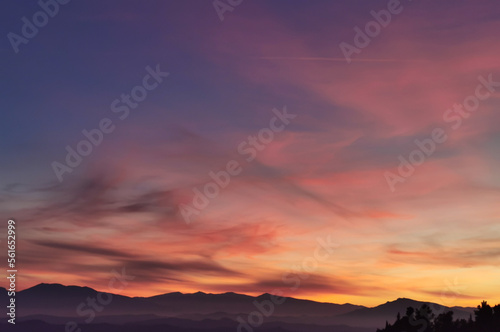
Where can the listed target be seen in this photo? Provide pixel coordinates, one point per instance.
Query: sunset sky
(434, 237)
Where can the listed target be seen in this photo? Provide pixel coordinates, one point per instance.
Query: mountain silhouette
(46, 306)
(378, 315)
(59, 300)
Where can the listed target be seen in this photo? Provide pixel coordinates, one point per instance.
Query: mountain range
(49, 307)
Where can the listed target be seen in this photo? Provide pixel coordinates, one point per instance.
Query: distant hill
(378, 315)
(59, 300)
(203, 303)
(54, 304)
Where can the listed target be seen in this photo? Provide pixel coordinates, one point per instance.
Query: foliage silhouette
(487, 319)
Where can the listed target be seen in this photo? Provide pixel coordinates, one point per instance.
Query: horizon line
(243, 294)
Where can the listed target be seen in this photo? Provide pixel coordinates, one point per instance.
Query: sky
(383, 146)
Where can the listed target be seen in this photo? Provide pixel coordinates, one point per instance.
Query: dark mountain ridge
(57, 304)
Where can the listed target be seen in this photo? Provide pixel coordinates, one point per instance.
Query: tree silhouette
(444, 322)
(487, 319)
(484, 317)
